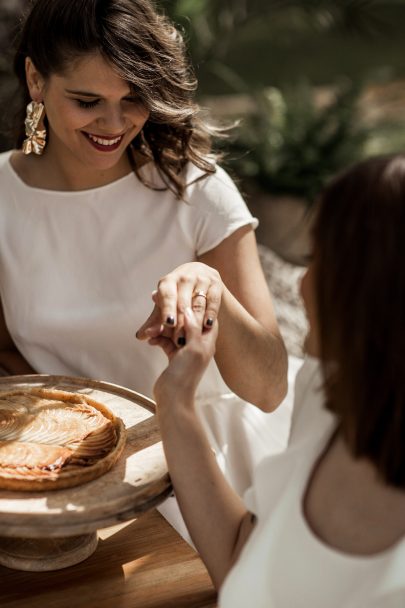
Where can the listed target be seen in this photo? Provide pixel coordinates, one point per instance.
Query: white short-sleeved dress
(284, 565)
(77, 270)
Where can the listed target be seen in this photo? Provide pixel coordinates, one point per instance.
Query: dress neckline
(51, 192)
(310, 534)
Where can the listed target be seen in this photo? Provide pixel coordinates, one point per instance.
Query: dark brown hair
(145, 50)
(360, 284)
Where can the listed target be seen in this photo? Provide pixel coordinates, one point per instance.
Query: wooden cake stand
(54, 529)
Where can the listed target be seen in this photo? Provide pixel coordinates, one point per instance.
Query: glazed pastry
(53, 439)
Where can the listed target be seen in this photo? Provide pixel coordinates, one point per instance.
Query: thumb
(152, 326)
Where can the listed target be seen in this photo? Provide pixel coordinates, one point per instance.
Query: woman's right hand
(193, 285)
(186, 366)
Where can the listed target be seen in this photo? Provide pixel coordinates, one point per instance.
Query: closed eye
(87, 104)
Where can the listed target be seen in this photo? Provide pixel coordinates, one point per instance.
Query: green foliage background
(278, 52)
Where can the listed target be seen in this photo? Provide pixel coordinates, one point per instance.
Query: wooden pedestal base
(43, 554)
(43, 531)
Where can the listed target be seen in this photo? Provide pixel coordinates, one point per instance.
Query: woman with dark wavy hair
(142, 49)
(323, 524)
(113, 183)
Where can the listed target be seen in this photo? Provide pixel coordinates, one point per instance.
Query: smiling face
(92, 115)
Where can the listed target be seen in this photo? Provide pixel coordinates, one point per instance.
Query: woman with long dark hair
(323, 524)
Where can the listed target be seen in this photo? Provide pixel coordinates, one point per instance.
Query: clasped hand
(193, 285)
(184, 324)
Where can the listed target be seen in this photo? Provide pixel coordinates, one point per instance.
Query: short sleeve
(214, 210)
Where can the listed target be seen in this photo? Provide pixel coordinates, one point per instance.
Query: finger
(166, 344)
(152, 322)
(213, 304)
(191, 292)
(199, 304)
(166, 299)
(197, 337)
(179, 336)
(185, 286)
(176, 334)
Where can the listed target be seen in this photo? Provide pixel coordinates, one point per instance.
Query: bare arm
(250, 352)
(11, 360)
(215, 516)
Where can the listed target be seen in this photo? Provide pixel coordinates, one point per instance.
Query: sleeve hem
(253, 222)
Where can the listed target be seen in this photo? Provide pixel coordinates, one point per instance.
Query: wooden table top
(143, 563)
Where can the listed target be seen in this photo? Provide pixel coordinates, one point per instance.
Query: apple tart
(53, 439)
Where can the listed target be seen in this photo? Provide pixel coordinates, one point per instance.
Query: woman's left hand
(194, 285)
(187, 365)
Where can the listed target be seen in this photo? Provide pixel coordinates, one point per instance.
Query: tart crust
(52, 439)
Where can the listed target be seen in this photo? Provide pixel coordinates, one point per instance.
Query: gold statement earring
(36, 138)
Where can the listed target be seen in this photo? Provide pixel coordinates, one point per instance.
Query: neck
(57, 174)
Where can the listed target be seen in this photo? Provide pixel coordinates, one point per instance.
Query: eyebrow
(83, 93)
(88, 94)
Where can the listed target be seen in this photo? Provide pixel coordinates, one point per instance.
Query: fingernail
(170, 320)
(209, 322)
(181, 341)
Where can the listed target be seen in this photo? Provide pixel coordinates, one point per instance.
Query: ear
(35, 81)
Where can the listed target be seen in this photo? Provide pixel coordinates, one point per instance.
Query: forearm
(13, 363)
(252, 358)
(212, 512)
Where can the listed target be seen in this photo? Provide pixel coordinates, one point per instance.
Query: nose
(112, 120)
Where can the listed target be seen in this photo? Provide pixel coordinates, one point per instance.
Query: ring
(200, 293)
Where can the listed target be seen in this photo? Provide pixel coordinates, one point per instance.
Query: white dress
(284, 565)
(77, 268)
(76, 273)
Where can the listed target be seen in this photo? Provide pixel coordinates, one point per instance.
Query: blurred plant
(292, 146)
(211, 25)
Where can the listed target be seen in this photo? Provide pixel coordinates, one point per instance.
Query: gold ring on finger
(202, 294)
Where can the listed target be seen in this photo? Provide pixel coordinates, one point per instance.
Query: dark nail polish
(170, 320)
(209, 322)
(181, 341)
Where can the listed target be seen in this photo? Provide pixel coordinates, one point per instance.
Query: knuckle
(214, 300)
(184, 281)
(198, 306)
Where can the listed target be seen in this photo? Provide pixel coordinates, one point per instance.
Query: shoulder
(197, 179)
(214, 191)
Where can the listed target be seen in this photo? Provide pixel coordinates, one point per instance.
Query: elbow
(273, 397)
